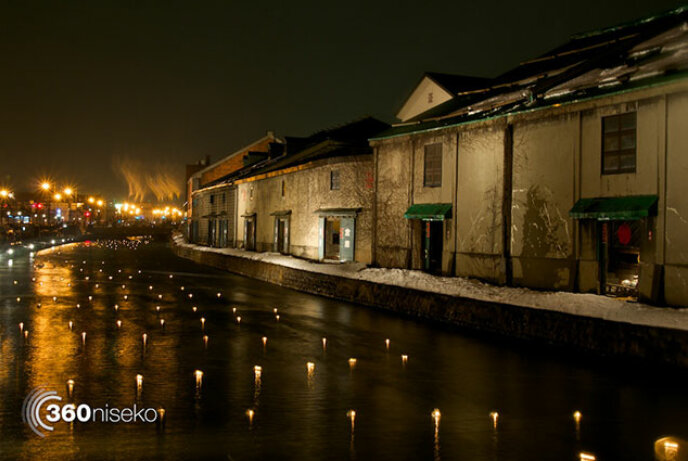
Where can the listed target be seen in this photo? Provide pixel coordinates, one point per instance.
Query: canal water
(297, 414)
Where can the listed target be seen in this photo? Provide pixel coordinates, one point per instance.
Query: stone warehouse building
(309, 197)
(567, 172)
(211, 205)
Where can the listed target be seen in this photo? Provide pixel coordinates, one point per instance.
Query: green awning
(615, 208)
(429, 211)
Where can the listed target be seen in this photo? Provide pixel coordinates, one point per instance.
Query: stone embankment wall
(602, 337)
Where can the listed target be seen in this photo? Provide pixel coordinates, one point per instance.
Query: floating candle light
(495, 416)
(436, 415)
(387, 343)
(83, 338)
(258, 372)
(265, 340)
(205, 341)
(351, 414)
(144, 338)
(21, 326)
(310, 367)
(199, 378)
(70, 387)
(238, 319)
(352, 363)
(119, 324)
(577, 416)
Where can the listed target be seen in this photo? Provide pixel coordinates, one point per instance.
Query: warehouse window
(618, 143)
(432, 165)
(335, 181)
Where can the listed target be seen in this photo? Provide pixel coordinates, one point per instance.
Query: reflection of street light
(68, 191)
(57, 196)
(45, 186)
(91, 200)
(100, 203)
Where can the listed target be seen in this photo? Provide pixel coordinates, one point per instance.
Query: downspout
(507, 193)
(409, 232)
(373, 236)
(455, 203)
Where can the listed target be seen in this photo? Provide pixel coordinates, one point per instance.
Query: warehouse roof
(649, 51)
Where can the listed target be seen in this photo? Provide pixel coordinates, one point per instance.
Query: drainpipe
(507, 200)
(412, 172)
(373, 236)
(455, 204)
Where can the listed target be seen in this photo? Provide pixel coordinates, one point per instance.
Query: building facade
(308, 197)
(564, 173)
(212, 202)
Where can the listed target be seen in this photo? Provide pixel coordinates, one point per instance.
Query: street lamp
(70, 197)
(4, 196)
(46, 186)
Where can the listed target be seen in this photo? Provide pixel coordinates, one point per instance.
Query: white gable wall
(427, 95)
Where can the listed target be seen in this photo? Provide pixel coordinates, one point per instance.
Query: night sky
(87, 89)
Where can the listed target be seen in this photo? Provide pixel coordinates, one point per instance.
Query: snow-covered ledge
(587, 305)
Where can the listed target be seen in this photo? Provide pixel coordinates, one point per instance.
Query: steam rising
(147, 180)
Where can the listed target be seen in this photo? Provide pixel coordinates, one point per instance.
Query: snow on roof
(588, 65)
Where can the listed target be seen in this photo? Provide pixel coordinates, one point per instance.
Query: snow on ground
(588, 305)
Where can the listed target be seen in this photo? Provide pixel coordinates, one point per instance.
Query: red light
(40, 205)
(87, 214)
